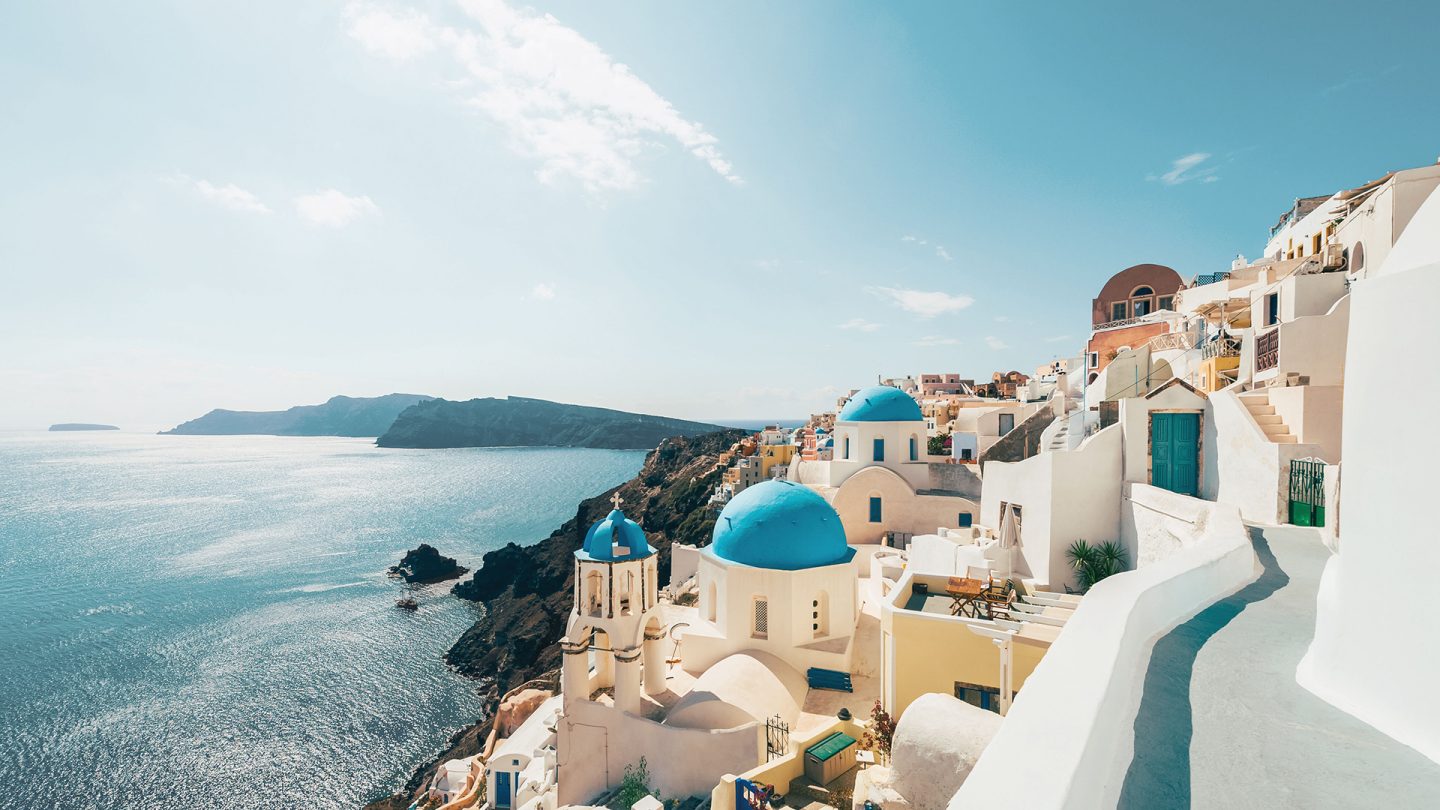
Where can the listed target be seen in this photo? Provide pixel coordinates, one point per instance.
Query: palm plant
(1094, 563)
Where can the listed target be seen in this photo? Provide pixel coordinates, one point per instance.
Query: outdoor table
(964, 593)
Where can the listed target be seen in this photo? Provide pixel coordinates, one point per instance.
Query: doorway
(1175, 451)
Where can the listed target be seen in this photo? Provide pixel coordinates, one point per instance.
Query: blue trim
(879, 450)
(875, 510)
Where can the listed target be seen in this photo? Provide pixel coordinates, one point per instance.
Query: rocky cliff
(526, 589)
(524, 422)
(337, 416)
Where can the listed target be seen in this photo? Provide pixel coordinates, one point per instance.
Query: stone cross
(616, 499)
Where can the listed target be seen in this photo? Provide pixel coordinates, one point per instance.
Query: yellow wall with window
(931, 653)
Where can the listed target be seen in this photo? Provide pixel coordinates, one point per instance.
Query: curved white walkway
(1222, 722)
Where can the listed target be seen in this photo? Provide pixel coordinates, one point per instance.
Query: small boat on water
(408, 603)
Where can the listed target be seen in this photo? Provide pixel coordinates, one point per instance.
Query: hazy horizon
(665, 208)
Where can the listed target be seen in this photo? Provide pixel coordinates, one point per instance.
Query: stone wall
(1022, 442)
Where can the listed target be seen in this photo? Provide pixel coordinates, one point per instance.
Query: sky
(727, 210)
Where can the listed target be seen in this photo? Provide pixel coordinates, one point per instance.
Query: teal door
(502, 788)
(1175, 452)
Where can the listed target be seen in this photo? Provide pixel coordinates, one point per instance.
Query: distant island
(64, 426)
(523, 422)
(338, 416)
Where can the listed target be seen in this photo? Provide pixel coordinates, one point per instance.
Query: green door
(1307, 493)
(1175, 452)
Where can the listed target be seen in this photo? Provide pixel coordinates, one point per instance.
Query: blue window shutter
(875, 510)
(879, 449)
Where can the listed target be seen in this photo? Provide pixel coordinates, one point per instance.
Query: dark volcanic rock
(523, 422)
(526, 589)
(426, 564)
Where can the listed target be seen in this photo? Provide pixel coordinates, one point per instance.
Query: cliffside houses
(1200, 435)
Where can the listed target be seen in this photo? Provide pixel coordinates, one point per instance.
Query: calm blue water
(204, 621)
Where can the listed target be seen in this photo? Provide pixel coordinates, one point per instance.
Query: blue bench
(828, 679)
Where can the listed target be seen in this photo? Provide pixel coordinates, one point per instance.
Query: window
(1167, 302)
(1357, 257)
(1142, 292)
(966, 520)
(1315, 243)
(847, 448)
(879, 449)
(1118, 310)
(1007, 423)
(984, 697)
(1092, 359)
(713, 602)
(760, 622)
(1272, 309)
(875, 510)
(914, 449)
(1142, 307)
(966, 454)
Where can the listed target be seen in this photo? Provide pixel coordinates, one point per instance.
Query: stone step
(1286, 439)
(1267, 419)
(1272, 431)
(1261, 410)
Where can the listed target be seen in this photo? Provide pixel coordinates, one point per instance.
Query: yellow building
(925, 649)
(773, 454)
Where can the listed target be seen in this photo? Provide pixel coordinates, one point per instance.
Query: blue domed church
(777, 578)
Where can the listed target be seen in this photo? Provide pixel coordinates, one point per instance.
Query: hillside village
(1169, 570)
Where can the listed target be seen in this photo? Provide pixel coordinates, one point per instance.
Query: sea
(199, 621)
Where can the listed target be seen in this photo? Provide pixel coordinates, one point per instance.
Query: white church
(690, 688)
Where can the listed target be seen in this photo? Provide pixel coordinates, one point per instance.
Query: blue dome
(820, 431)
(881, 403)
(780, 525)
(615, 537)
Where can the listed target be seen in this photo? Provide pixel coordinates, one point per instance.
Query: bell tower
(613, 637)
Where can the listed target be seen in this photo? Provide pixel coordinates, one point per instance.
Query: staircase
(1060, 440)
(1258, 404)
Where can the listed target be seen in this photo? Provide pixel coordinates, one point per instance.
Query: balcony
(1267, 350)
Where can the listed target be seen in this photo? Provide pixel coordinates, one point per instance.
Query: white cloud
(767, 264)
(1057, 339)
(860, 325)
(942, 252)
(333, 209)
(996, 343)
(1186, 168)
(1002, 318)
(915, 239)
(926, 304)
(561, 99)
(228, 196)
(398, 36)
(936, 340)
(543, 292)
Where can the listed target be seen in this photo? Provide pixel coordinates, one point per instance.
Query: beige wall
(929, 653)
(902, 509)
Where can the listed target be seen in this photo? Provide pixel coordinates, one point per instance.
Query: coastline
(525, 590)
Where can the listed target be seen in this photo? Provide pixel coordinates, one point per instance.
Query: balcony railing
(1172, 340)
(1115, 324)
(1267, 350)
(1222, 347)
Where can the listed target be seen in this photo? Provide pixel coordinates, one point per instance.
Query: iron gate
(1307, 493)
(777, 738)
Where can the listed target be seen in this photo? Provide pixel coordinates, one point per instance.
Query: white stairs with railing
(1258, 404)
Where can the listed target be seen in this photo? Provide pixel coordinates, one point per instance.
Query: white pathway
(1223, 724)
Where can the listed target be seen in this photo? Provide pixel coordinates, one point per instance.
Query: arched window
(1142, 292)
(914, 449)
(627, 594)
(1357, 257)
(593, 605)
(820, 615)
